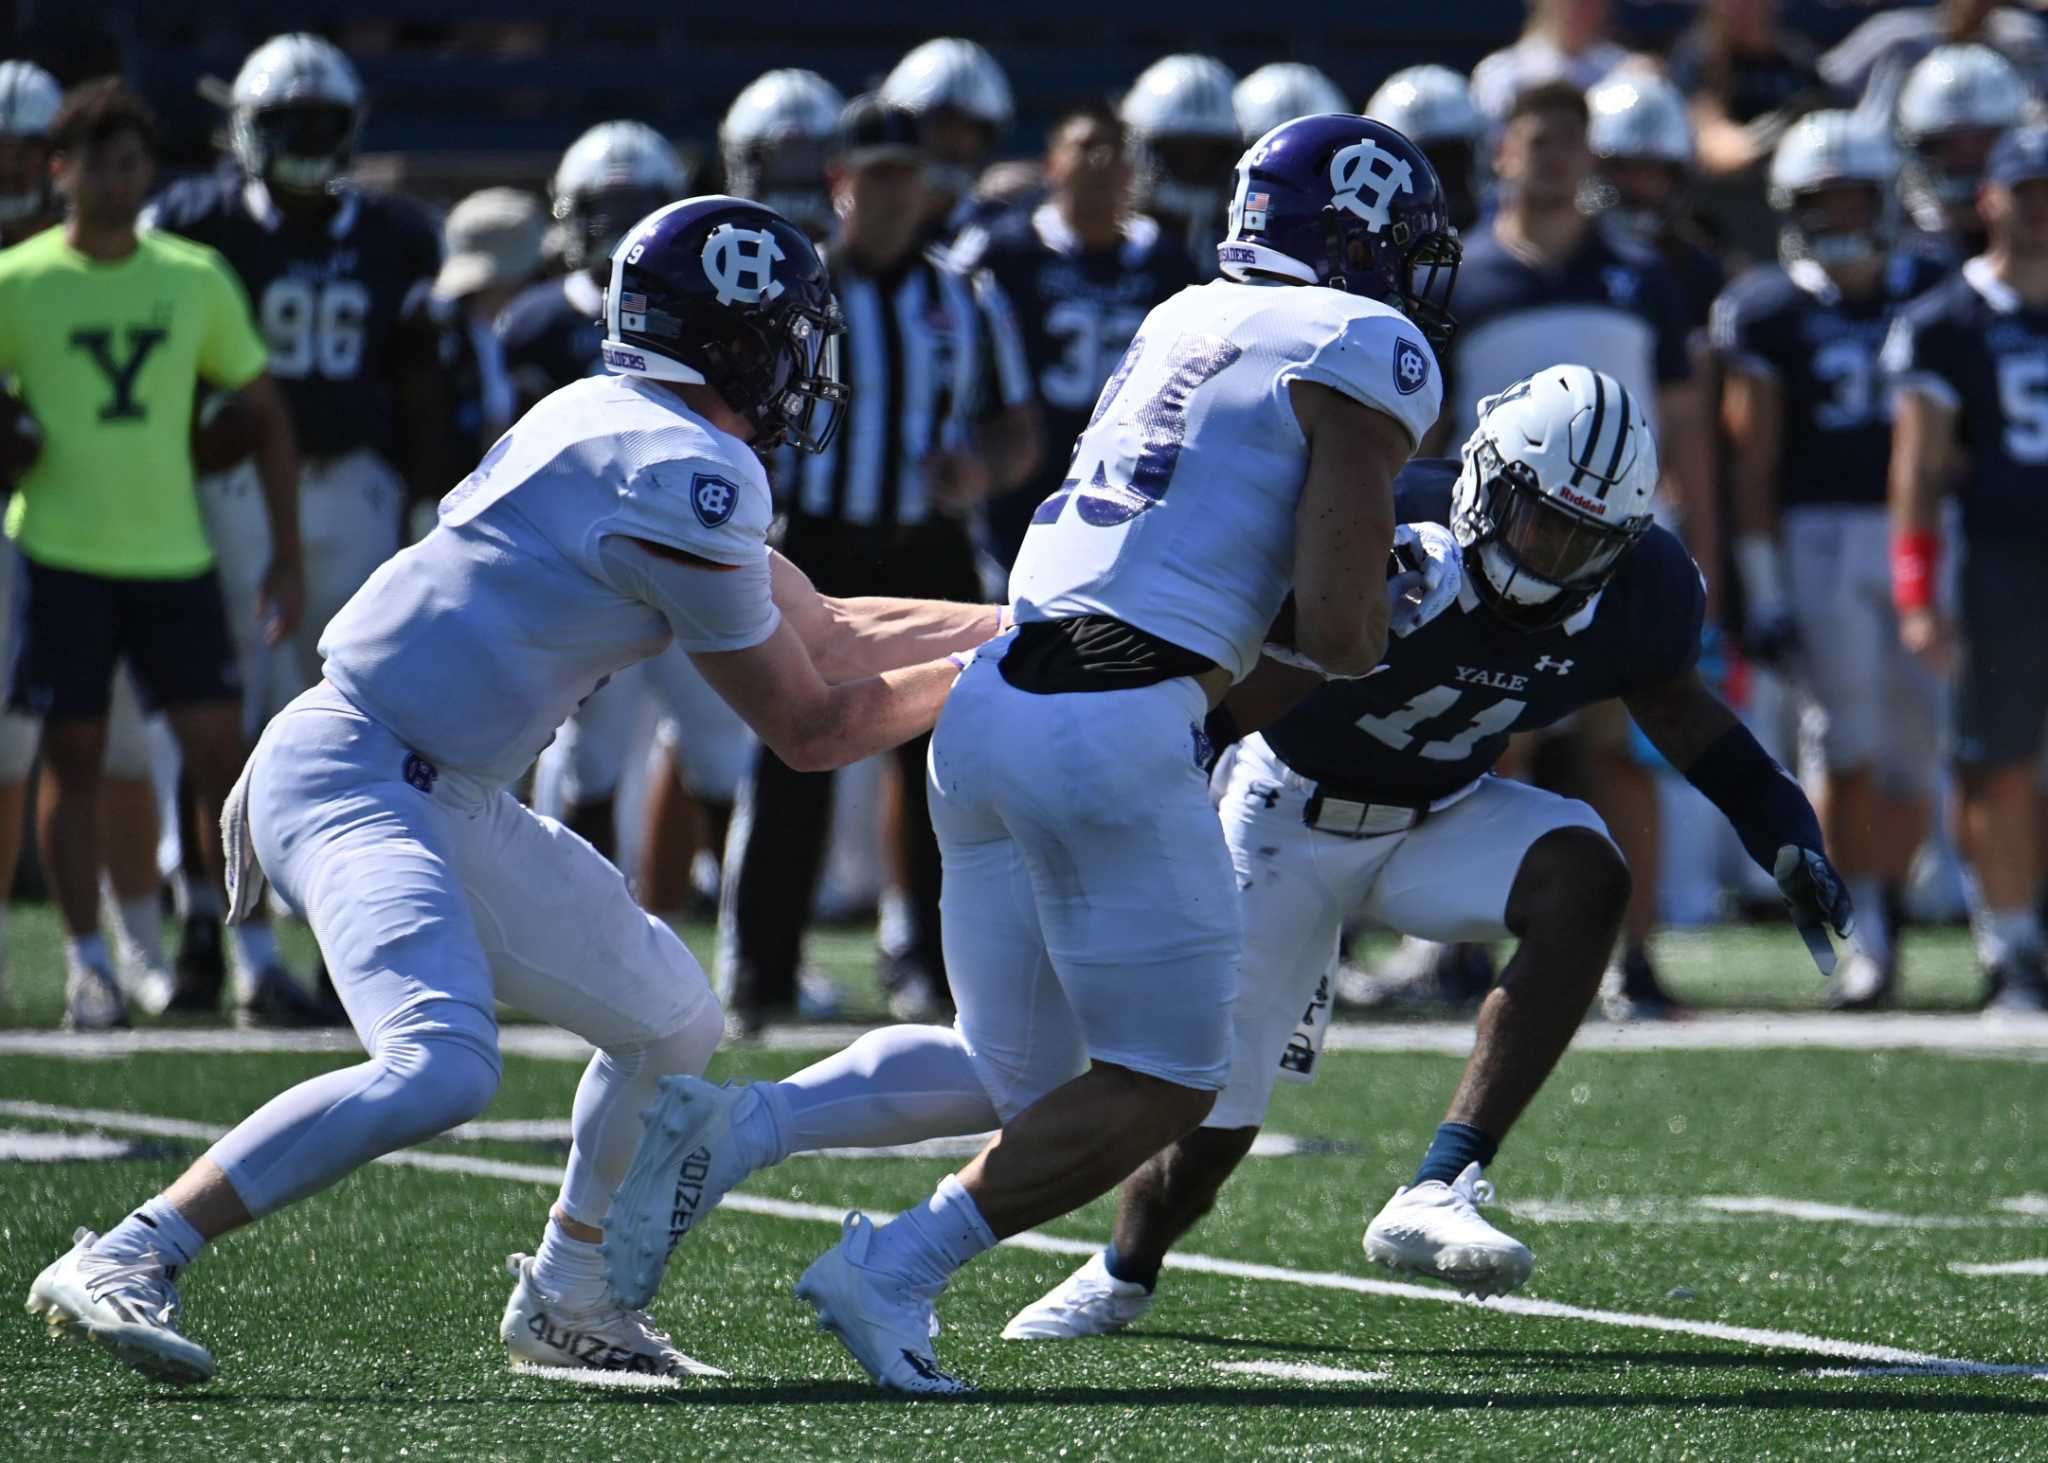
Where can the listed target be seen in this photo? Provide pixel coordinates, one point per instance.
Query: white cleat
(93, 1000)
(1089, 1302)
(1434, 1230)
(128, 1306)
(540, 1331)
(686, 1163)
(886, 1326)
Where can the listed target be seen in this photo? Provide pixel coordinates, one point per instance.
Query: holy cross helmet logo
(740, 263)
(1366, 167)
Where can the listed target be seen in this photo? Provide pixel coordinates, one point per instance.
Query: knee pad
(447, 1054)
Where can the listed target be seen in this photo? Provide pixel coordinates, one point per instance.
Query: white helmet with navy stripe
(775, 140)
(1557, 486)
(295, 109)
(29, 98)
(1184, 141)
(1428, 105)
(950, 73)
(1638, 114)
(1280, 92)
(613, 174)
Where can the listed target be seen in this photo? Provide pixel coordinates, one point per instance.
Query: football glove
(1819, 901)
(1771, 636)
(1431, 571)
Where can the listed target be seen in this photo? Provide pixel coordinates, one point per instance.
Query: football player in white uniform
(1246, 445)
(623, 512)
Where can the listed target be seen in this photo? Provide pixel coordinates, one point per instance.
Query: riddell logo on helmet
(1580, 500)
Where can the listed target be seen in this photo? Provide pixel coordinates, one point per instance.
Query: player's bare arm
(281, 601)
(1752, 417)
(1344, 528)
(1686, 447)
(1923, 433)
(864, 636)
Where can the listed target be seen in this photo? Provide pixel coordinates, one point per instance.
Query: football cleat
(541, 1331)
(2017, 988)
(885, 1324)
(1862, 984)
(686, 1163)
(1434, 1230)
(1089, 1302)
(201, 966)
(275, 999)
(93, 1000)
(128, 1306)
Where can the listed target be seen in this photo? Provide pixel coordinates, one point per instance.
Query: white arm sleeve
(707, 609)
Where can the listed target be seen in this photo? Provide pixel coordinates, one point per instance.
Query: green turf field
(1741, 1254)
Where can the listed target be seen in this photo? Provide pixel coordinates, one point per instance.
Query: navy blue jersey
(1439, 712)
(552, 334)
(343, 304)
(1973, 345)
(1612, 306)
(1077, 310)
(1793, 327)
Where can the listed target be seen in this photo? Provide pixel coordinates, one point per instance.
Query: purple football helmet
(726, 293)
(1350, 203)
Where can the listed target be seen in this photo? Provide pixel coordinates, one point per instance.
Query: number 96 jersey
(1177, 514)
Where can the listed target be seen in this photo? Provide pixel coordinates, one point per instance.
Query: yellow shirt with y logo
(107, 356)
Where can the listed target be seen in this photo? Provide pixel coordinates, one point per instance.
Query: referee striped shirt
(928, 350)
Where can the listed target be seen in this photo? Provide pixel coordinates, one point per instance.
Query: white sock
(926, 1243)
(567, 1268)
(156, 1228)
(196, 894)
(139, 930)
(1872, 933)
(89, 952)
(901, 1084)
(2006, 934)
(254, 947)
(3, 934)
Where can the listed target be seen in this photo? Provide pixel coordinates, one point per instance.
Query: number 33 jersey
(1177, 513)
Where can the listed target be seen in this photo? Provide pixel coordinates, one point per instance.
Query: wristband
(1915, 553)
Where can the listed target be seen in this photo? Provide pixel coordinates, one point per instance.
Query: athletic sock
(139, 929)
(925, 1244)
(156, 1227)
(761, 1125)
(1121, 1267)
(196, 894)
(566, 1268)
(1454, 1146)
(89, 952)
(2006, 934)
(254, 946)
(1873, 919)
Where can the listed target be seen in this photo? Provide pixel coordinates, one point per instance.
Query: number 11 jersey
(1177, 513)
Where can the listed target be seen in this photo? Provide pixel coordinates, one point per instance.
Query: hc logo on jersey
(1411, 367)
(1364, 166)
(714, 498)
(740, 263)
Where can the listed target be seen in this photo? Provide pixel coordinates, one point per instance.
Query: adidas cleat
(686, 1163)
(541, 1331)
(1089, 1302)
(886, 1325)
(1434, 1230)
(129, 1307)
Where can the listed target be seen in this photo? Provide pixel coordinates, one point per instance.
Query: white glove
(1419, 595)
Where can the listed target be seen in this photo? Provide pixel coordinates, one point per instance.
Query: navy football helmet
(727, 294)
(1350, 203)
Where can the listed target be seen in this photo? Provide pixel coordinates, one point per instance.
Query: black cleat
(280, 1001)
(201, 968)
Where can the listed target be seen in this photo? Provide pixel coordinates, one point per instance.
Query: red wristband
(1915, 553)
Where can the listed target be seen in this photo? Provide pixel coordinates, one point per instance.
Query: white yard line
(1299, 1371)
(2001, 1267)
(1750, 1031)
(1917, 1362)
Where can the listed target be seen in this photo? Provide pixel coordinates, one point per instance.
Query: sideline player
(1802, 402)
(1248, 442)
(1376, 794)
(1968, 363)
(340, 279)
(622, 512)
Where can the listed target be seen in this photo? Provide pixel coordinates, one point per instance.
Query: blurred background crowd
(419, 206)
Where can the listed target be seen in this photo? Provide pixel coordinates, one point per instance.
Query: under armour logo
(1263, 792)
(740, 263)
(1366, 165)
(1562, 667)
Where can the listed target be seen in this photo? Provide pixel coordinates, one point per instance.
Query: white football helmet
(1951, 108)
(1557, 487)
(1184, 145)
(1429, 105)
(29, 98)
(953, 75)
(1824, 150)
(775, 139)
(295, 109)
(1637, 116)
(1280, 92)
(611, 177)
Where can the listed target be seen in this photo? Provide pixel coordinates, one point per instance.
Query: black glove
(1819, 902)
(1771, 637)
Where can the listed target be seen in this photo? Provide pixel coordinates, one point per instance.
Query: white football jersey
(1177, 515)
(474, 645)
